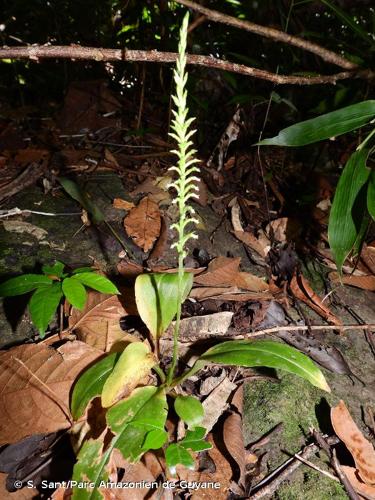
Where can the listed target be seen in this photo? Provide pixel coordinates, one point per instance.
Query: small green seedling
(136, 413)
(51, 286)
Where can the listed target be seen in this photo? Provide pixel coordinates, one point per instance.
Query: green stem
(178, 319)
(118, 239)
(363, 143)
(160, 372)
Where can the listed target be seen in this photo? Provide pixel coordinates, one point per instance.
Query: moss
(310, 485)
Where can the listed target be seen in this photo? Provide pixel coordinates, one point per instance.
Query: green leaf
(43, 305)
(178, 455)
(194, 440)
(132, 367)
(264, 353)
(348, 207)
(78, 194)
(156, 298)
(189, 409)
(90, 468)
(75, 292)
(97, 282)
(55, 270)
(23, 284)
(90, 384)
(132, 419)
(325, 126)
(371, 195)
(83, 270)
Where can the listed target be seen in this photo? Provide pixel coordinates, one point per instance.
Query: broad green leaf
(132, 419)
(90, 384)
(132, 367)
(175, 455)
(43, 305)
(264, 353)
(371, 195)
(90, 468)
(348, 207)
(325, 126)
(75, 292)
(78, 194)
(194, 440)
(97, 282)
(189, 409)
(23, 284)
(156, 297)
(55, 270)
(83, 270)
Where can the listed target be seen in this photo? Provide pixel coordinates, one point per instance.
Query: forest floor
(237, 225)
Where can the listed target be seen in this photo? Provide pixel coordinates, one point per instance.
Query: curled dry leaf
(216, 403)
(34, 391)
(99, 323)
(366, 490)
(365, 282)
(259, 246)
(362, 450)
(143, 224)
(302, 290)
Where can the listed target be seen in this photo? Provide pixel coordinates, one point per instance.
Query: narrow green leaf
(348, 207)
(78, 194)
(132, 367)
(156, 298)
(43, 305)
(264, 353)
(189, 409)
(132, 419)
(75, 292)
(371, 195)
(325, 126)
(97, 282)
(23, 284)
(194, 440)
(178, 455)
(56, 270)
(90, 468)
(90, 384)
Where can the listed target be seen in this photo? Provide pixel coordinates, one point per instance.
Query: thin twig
(272, 33)
(315, 467)
(37, 52)
(18, 211)
(54, 396)
(294, 328)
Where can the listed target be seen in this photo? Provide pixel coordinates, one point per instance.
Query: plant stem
(178, 320)
(160, 372)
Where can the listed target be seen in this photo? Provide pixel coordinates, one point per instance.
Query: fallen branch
(77, 52)
(274, 34)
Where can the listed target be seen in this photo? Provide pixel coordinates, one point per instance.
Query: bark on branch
(77, 52)
(272, 33)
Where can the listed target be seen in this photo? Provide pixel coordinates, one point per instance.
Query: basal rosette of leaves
(50, 287)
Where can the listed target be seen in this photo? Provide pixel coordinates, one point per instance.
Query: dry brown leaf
(202, 327)
(202, 193)
(162, 243)
(302, 290)
(364, 282)
(221, 271)
(99, 323)
(34, 392)
(248, 281)
(252, 242)
(234, 440)
(143, 224)
(360, 487)
(368, 256)
(222, 476)
(216, 403)
(122, 204)
(154, 189)
(128, 269)
(361, 449)
(231, 294)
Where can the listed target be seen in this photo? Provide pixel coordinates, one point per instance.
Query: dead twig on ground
(272, 33)
(36, 52)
